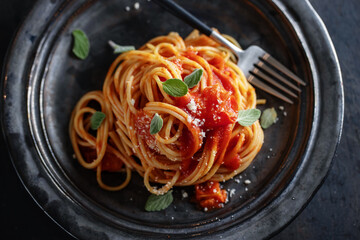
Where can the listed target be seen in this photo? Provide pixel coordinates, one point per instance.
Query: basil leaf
(81, 46)
(159, 202)
(120, 49)
(194, 78)
(156, 124)
(175, 87)
(96, 119)
(248, 117)
(268, 118)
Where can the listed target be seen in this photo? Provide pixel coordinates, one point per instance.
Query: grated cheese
(189, 119)
(137, 5)
(232, 192)
(196, 121)
(192, 106)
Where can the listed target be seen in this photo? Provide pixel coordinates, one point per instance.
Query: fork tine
(273, 62)
(274, 74)
(260, 74)
(259, 84)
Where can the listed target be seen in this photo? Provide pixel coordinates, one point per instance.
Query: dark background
(333, 213)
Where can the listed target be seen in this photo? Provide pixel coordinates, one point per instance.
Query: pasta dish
(198, 141)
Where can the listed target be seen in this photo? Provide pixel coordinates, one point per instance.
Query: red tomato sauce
(209, 195)
(214, 113)
(212, 110)
(110, 162)
(142, 127)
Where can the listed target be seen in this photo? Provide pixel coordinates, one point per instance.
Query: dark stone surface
(332, 214)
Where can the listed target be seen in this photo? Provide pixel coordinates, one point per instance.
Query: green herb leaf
(81, 46)
(268, 118)
(120, 49)
(248, 117)
(175, 87)
(159, 202)
(193, 78)
(156, 124)
(96, 119)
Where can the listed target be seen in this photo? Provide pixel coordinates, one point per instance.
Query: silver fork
(258, 66)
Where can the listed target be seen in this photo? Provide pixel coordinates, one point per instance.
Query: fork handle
(193, 21)
(184, 15)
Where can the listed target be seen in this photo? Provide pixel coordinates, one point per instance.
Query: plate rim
(294, 4)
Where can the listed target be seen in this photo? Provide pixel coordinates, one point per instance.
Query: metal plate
(42, 82)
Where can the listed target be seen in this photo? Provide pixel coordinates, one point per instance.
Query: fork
(257, 65)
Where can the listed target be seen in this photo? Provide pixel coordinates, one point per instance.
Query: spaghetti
(200, 140)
